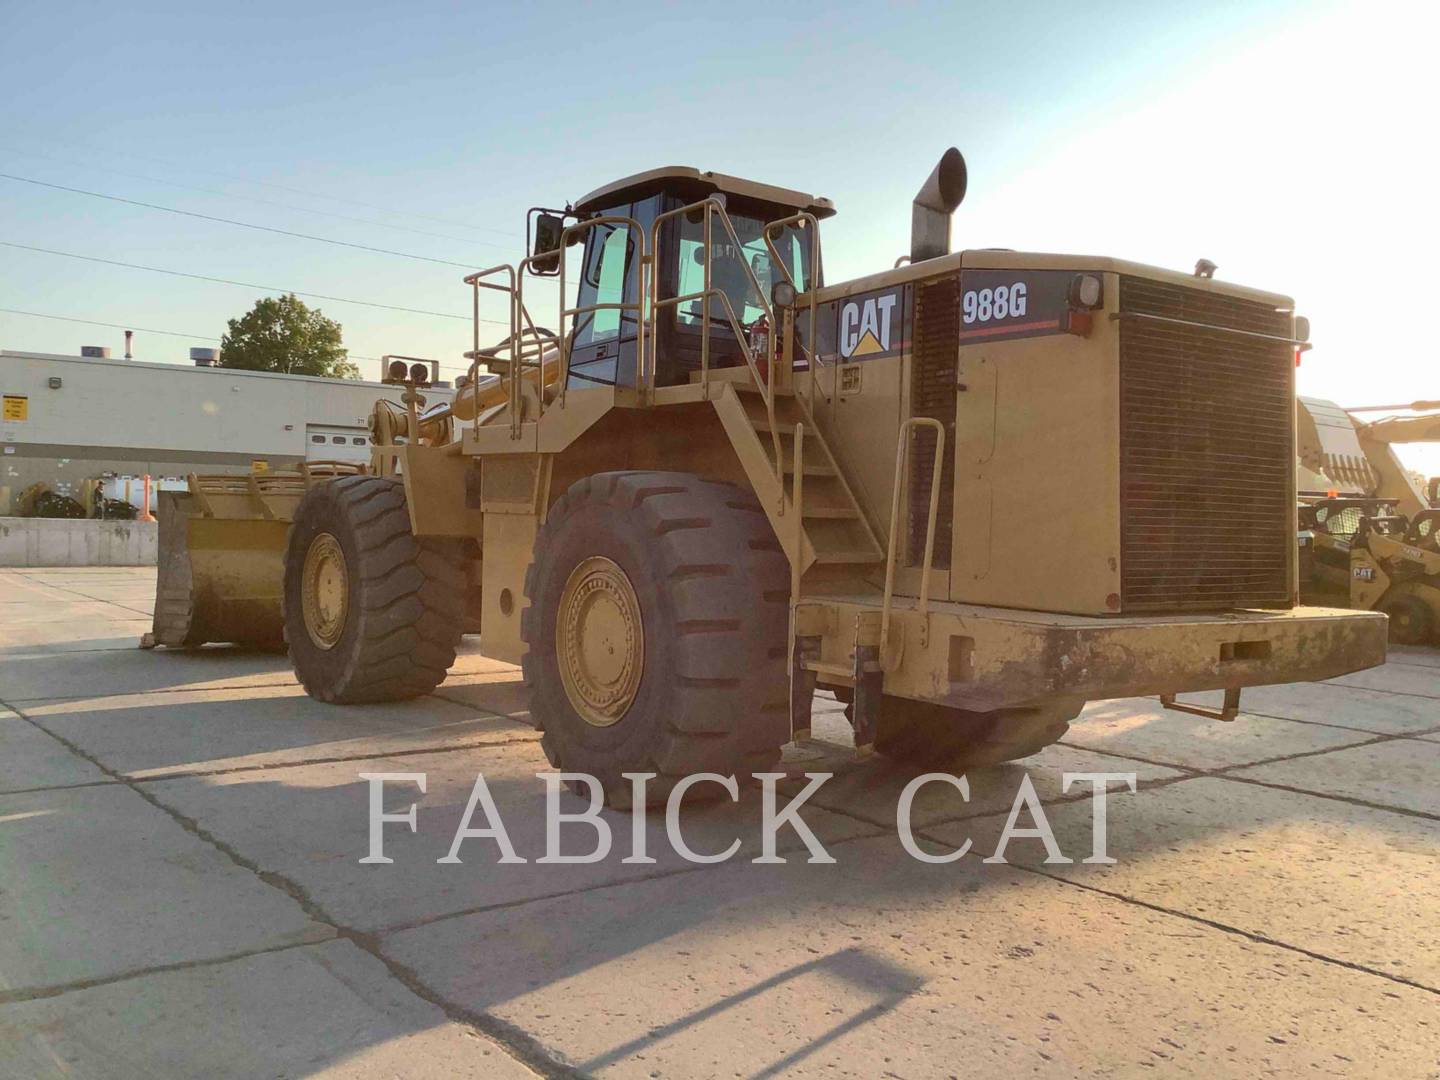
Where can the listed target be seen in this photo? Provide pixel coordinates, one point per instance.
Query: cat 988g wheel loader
(744, 482)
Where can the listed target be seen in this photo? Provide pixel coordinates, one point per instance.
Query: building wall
(132, 418)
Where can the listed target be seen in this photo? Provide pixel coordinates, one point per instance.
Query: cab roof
(691, 182)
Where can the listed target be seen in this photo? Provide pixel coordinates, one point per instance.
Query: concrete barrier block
(65, 542)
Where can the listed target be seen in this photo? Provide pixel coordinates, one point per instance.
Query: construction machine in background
(1372, 528)
(744, 482)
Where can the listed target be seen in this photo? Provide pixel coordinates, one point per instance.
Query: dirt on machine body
(968, 493)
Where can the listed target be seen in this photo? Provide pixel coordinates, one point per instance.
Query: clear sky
(1291, 143)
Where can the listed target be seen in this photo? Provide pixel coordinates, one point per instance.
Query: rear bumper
(984, 658)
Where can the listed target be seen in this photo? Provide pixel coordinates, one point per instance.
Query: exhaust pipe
(931, 210)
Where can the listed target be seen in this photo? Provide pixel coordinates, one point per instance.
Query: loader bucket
(220, 579)
(221, 563)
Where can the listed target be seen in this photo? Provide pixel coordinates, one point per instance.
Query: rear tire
(1411, 620)
(656, 632)
(952, 740)
(371, 612)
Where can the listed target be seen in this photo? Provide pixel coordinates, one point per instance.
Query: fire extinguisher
(760, 345)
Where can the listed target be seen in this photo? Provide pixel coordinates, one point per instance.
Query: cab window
(728, 265)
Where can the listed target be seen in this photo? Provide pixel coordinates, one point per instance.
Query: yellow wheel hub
(600, 641)
(325, 591)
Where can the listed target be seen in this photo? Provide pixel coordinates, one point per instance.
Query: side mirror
(782, 294)
(549, 230)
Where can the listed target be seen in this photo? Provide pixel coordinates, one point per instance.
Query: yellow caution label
(17, 407)
(259, 465)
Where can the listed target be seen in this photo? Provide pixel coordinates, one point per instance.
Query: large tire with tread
(952, 740)
(403, 612)
(1412, 622)
(708, 589)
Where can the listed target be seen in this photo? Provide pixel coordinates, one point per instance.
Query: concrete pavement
(181, 892)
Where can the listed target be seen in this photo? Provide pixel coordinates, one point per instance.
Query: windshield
(728, 266)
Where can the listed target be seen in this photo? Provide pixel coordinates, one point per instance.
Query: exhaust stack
(931, 210)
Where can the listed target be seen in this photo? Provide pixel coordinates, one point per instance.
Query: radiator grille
(1207, 451)
(936, 355)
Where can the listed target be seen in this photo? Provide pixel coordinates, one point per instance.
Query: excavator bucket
(221, 561)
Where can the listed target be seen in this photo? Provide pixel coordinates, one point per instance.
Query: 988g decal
(999, 305)
(1000, 302)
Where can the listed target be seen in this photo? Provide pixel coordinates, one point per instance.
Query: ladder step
(811, 468)
(832, 512)
(833, 557)
(837, 672)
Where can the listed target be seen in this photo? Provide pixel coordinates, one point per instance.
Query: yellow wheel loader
(1372, 527)
(745, 481)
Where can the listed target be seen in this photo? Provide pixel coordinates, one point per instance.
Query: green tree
(283, 334)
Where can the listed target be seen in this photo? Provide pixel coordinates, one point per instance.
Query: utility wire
(116, 326)
(294, 191)
(246, 284)
(232, 221)
(173, 333)
(262, 202)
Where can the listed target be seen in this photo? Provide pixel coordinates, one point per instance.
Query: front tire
(371, 612)
(656, 632)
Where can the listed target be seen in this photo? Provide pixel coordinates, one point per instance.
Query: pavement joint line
(100, 600)
(1375, 741)
(793, 847)
(1378, 690)
(290, 681)
(511, 1040)
(59, 787)
(1337, 727)
(192, 773)
(147, 693)
(1261, 939)
(18, 995)
(1250, 935)
(1063, 799)
(1349, 800)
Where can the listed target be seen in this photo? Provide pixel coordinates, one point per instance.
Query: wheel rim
(600, 641)
(325, 591)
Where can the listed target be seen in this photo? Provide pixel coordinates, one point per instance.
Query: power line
(172, 333)
(246, 284)
(116, 326)
(232, 221)
(262, 202)
(281, 187)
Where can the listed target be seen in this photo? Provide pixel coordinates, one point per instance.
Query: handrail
(524, 338)
(809, 221)
(902, 453)
(765, 384)
(525, 343)
(797, 492)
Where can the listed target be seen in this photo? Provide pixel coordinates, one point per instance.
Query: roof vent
(96, 352)
(204, 357)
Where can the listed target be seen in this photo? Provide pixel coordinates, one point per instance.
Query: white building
(68, 420)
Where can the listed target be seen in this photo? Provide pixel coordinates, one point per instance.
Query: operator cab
(603, 350)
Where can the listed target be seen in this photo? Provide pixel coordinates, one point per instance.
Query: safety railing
(527, 343)
(712, 208)
(808, 221)
(902, 455)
